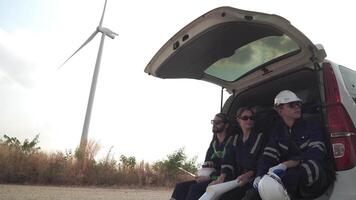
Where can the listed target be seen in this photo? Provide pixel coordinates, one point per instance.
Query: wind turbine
(104, 32)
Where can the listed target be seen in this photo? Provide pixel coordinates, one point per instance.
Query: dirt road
(20, 192)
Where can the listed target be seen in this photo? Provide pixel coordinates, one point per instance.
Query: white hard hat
(271, 188)
(285, 96)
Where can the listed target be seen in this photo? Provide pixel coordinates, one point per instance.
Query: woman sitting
(241, 157)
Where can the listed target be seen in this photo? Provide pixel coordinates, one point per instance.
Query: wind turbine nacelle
(107, 32)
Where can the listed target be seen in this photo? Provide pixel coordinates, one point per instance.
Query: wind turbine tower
(104, 32)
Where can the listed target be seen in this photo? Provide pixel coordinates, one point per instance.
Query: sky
(136, 114)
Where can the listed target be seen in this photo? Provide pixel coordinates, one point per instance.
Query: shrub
(25, 163)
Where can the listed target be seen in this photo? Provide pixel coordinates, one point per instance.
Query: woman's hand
(244, 178)
(219, 180)
(201, 178)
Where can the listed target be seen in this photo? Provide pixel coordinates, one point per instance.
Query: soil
(26, 192)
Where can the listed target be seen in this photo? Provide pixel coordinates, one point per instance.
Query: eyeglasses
(294, 104)
(215, 122)
(247, 117)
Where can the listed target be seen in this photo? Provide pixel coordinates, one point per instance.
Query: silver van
(254, 56)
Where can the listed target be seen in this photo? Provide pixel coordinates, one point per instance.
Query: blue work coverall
(303, 142)
(193, 190)
(240, 158)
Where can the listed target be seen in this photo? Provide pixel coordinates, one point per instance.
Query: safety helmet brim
(271, 187)
(285, 96)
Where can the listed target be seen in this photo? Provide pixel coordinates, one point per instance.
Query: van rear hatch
(234, 48)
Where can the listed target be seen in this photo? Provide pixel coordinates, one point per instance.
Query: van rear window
(251, 56)
(349, 77)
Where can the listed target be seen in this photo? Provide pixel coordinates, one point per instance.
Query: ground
(21, 192)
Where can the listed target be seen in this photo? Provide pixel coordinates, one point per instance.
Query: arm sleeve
(257, 151)
(228, 163)
(271, 155)
(315, 150)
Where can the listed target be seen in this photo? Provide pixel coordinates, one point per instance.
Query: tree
(128, 162)
(26, 147)
(170, 166)
(29, 147)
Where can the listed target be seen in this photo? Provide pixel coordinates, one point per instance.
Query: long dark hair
(243, 109)
(238, 115)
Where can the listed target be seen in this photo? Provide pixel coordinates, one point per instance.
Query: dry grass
(32, 166)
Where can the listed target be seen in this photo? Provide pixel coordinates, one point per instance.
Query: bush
(168, 169)
(25, 163)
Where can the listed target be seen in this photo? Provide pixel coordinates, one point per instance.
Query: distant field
(20, 192)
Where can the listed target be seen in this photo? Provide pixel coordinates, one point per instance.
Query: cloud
(14, 67)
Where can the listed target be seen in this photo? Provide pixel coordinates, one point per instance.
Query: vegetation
(25, 163)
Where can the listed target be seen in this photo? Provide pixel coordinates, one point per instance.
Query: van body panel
(186, 55)
(344, 186)
(346, 98)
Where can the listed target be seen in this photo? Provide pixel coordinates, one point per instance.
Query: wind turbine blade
(85, 43)
(102, 16)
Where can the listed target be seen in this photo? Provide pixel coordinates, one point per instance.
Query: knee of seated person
(317, 188)
(313, 171)
(183, 185)
(180, 184)
(293, 173)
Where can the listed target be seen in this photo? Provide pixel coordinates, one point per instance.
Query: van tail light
(343, 138)
(341, 128)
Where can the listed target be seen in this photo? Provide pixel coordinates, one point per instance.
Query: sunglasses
(247, 117)
(294, 104)
(216, 122)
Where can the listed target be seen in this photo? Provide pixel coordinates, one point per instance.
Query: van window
(349, 77)
(252, 55)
